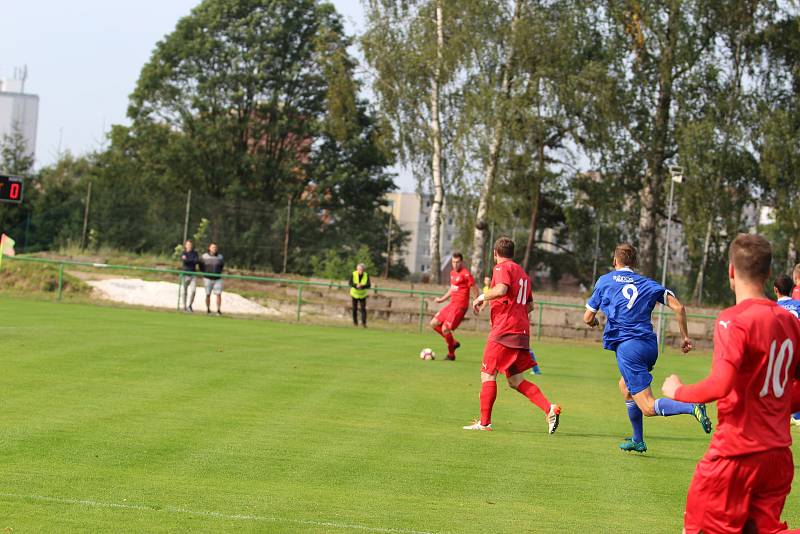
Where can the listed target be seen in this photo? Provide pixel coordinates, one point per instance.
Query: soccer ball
(427, 354)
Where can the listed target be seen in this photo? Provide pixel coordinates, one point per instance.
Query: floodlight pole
(676, 175)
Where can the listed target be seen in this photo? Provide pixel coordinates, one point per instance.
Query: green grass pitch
(141, 421)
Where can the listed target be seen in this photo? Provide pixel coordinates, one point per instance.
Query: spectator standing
(189, 261)
(212, 263)
(359, 284)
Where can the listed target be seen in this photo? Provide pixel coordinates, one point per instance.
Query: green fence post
(421, 311)
(60, 279)
(539, 323)
(299, 301)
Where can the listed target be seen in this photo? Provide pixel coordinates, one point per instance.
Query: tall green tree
(654, 49)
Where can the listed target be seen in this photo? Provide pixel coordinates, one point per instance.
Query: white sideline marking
(218, 515)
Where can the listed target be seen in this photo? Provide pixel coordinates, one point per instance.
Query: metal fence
(541, 305)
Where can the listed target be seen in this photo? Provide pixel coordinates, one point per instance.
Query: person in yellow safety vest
(359, 283)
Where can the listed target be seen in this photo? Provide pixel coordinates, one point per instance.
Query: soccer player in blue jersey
(783, 289)
(627, 299)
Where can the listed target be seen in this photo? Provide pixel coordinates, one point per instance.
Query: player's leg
(218, 292)
(774, 470)
(449, 327)
(718, 499)
(636, 359)
(441, 324)
(636, 441)
(488, 387)
(515, 371)
(487, 397)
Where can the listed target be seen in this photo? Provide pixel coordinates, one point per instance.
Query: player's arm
(680, 313)
(796, 395)
(529, 306)
(590, 318)
(445, 296)
(715, 386)
(498, 291)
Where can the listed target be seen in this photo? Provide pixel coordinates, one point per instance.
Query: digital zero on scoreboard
(10, 188)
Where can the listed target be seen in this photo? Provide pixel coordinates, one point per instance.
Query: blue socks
(667, 407)
(635, 415)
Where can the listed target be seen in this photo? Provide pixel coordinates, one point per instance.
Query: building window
(450, 222)
(422, 268)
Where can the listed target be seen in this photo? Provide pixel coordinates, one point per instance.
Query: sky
(84, 58)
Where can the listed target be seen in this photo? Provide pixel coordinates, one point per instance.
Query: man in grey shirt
(211, 264)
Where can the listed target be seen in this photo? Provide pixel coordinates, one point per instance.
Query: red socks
(488, 396)
(451, 341)
(534, 394)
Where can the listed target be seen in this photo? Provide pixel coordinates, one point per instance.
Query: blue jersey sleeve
(597, 297)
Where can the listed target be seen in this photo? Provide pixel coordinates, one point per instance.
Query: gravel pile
(165, 295)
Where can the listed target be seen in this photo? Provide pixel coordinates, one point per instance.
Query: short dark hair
(626, 254)
(504, 246)
(784, 285)
(458, 255)
(751, 257)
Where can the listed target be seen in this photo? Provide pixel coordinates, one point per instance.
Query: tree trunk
(650, 194)
(697, 294)
(436, 138)
(490, 173)
(537, 186)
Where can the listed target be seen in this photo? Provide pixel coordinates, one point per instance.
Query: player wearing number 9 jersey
(627, 299)
(742, 482)
(508, 347)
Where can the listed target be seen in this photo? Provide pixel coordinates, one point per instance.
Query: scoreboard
(10, 188)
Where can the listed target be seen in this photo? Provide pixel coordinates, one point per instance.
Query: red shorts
(451, 316)
(497, 357)
(727, 493)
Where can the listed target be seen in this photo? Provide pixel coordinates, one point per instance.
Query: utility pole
(86, 215)
(186, 220)
(676, 176)
(286, 234)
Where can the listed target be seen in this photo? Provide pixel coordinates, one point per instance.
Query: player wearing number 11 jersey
(742, 482)
(508, 347)
(627, 299)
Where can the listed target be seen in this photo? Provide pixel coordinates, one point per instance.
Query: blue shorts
(635, 359)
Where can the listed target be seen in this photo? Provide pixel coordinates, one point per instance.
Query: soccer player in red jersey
(508, 347)
(462, 285)
(742, 482)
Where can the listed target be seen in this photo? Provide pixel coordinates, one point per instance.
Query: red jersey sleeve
(795, 396)
(718, 384)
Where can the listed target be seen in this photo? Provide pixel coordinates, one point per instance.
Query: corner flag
(6, 247)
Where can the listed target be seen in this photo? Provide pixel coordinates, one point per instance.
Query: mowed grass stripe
(316, 424)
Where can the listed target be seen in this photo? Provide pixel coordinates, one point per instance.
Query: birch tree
(408, 46)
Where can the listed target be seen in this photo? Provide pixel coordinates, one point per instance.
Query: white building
(412, 212)
(19, 111)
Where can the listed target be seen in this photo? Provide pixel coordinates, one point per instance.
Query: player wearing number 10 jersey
(627, 299)
(742, 482)
(508, 347)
